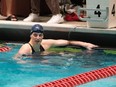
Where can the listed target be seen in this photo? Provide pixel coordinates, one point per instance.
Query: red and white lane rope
(5, 49)
(79, 79)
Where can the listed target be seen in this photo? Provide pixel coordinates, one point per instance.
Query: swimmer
(37, 44)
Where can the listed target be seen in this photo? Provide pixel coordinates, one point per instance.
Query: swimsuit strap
(41, 48)
(33, 51)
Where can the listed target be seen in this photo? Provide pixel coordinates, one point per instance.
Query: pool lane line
(83, 78)
(5, 49)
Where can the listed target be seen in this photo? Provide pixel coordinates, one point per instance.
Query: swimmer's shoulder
(25, 49)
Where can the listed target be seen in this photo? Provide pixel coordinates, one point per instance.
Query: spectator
(53, 6)
(71, 11)
(7, 5)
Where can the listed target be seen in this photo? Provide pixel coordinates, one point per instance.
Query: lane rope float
(79, 79)
(5, 49)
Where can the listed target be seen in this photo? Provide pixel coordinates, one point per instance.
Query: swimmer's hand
(91, 46)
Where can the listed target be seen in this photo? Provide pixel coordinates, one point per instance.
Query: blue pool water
(29, 72)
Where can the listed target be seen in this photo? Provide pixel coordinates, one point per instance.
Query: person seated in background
(53, 6)
(70, 9)
(37, 44)
(7, 7)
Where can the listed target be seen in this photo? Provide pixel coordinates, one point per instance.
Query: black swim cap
(37, 28)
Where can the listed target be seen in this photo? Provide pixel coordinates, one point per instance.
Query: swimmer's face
(37, 36)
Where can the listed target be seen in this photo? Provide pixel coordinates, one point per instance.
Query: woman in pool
(37, 44)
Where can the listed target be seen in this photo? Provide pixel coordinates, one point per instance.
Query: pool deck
(74, 30)
(65, 27)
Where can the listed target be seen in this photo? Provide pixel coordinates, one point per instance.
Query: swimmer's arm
(50, 42)
(47, 43)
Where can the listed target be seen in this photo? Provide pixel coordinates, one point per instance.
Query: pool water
(29, 72)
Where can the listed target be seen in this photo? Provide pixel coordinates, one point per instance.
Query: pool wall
(19, 31)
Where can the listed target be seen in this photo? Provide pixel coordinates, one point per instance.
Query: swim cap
(37, 28)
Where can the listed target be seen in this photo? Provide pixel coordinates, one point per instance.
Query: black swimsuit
(33, 51)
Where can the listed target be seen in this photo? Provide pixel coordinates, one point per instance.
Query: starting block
(100, 13)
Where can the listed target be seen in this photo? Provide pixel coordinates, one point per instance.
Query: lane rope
(5, 49)
(79, 79)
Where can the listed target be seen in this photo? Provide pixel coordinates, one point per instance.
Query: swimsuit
(33, 51)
